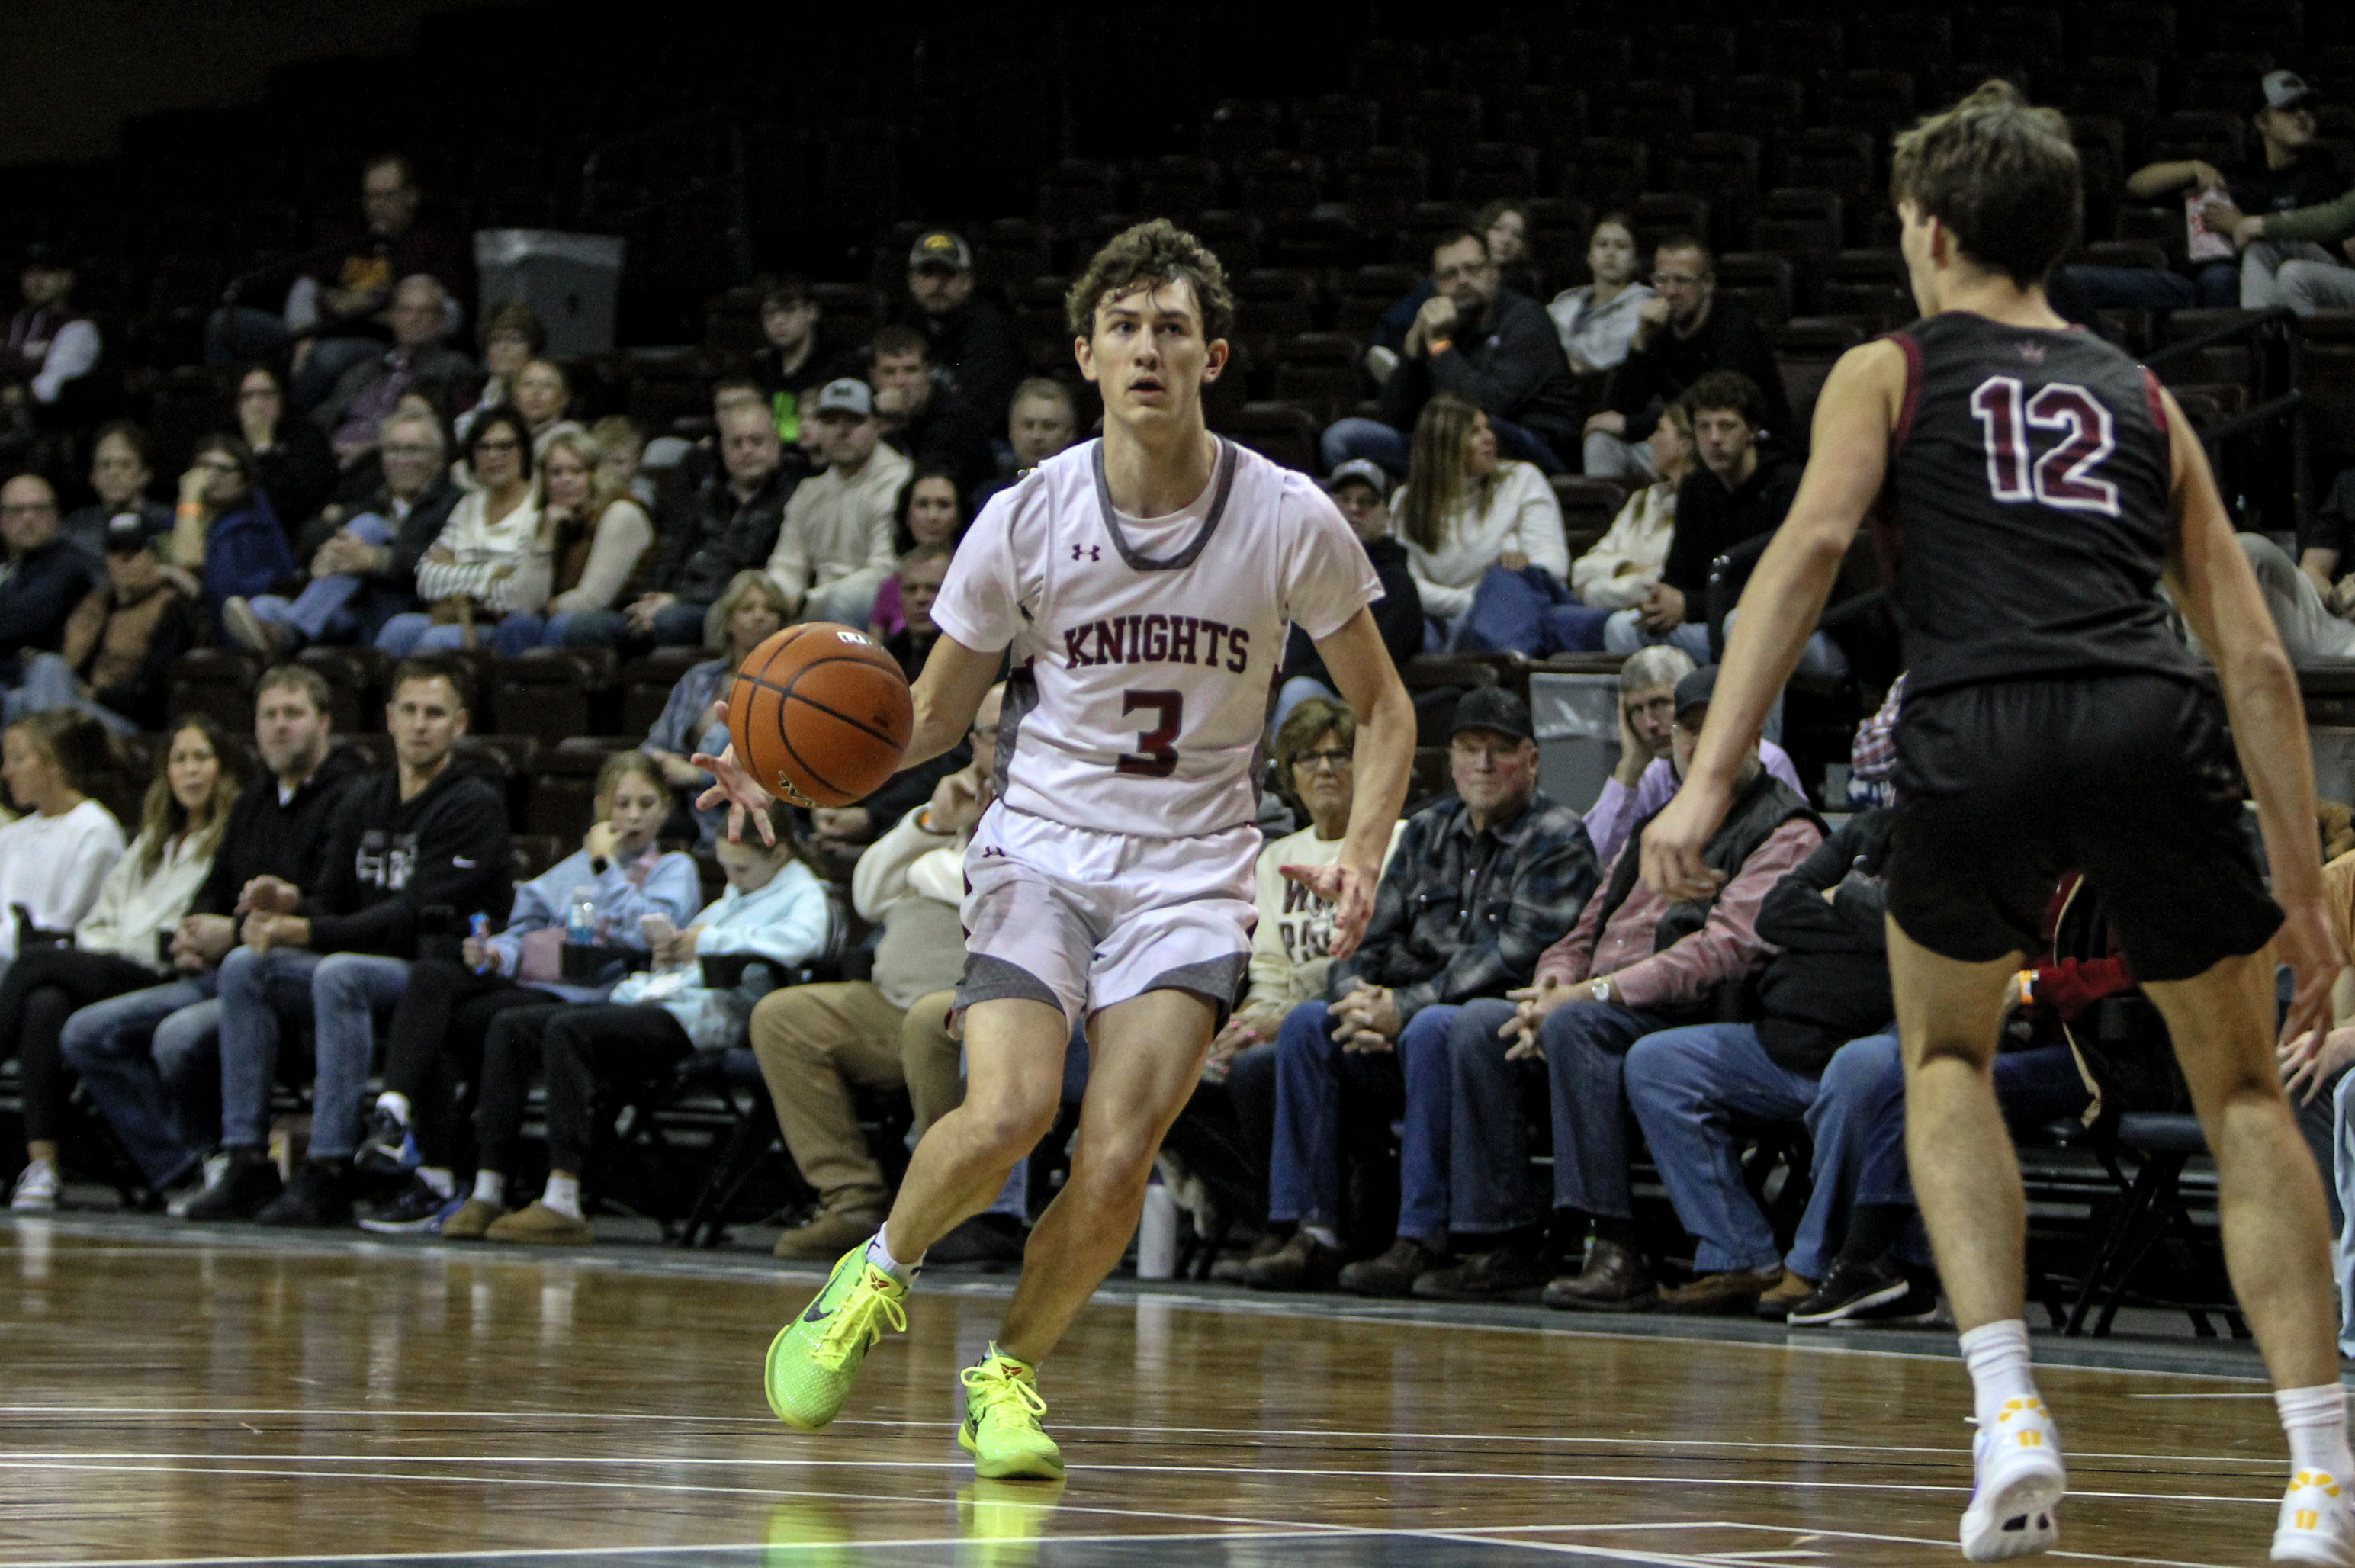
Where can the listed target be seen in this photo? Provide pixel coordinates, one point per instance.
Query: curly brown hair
(1151, 253)
(2001, 175)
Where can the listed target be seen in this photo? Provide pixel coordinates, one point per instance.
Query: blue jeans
(342, 992)
(1390, 447)
(322, 612)
(1585, 1046)
(518, 631)
(45, 682)
(142, 1057)
(675, 626)
(415, 632)
(1312, 1074)
(2078, 291)
(1527, 612)
(1686, 1085)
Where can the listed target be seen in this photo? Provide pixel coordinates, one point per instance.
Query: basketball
(820, 714)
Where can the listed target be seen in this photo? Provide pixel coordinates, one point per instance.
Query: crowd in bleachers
(352, 689)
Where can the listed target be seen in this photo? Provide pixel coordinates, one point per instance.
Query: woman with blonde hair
(596, 535)
(752, 610)
(1469, 517)
(1620, 571)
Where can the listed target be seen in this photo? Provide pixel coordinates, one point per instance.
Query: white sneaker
(2318, 1522)
(215, 1166)
(37, 1189)
(2015, 1506)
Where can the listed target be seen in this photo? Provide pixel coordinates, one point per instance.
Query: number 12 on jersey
(2063, 476)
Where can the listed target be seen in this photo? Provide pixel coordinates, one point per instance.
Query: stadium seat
(1286, 433)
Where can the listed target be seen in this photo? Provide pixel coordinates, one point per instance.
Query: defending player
(1143, 582)
(2042, 484)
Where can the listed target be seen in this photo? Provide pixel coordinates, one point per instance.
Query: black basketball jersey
(2029, 473)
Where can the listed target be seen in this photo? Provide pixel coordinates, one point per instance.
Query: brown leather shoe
(1303, 1262)
(1616, 1279)
(1731, 1291)
(827, 1237)
(1392, 1274)
(1774, 1306)
(1515, 1266)
(1231, 1271)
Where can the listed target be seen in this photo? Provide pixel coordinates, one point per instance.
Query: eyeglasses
(1677, 280)
(216, 465)
(248, 393)
(30, 509)
(510, 444)
(406, 448)
(1335, 758)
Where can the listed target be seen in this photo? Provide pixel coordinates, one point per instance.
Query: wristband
(2027, 987)
(1439, 345)
(925, 823)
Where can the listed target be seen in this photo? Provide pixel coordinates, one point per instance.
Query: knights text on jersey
(2032, 477)
(1151, 644)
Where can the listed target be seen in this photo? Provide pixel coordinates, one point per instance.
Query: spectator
(1597, 321)
(976, 342)
(2313, 623)
(49, 343)
(774, 912)
(833, 548)
(1646, 776)
(917, 418)
(922, 571)
(428, 833)
(815, 1042)
(1682, 333)
(435, 1039)
(749, 614)
(1358, 488)
(54, 858)
(1488, 346)
(543, 396)
(1741, 490)
(1825, 983)
(1621, 568)
(117, 944)
(332, 313)
(1043, 422)
(926, 513)
(293, 463)
(45, 580)
(800, 354)
(2297, 213)
(512, 336)
(1474, 887)
(363, 572)
(147, 1057)
(120, 645)
(225, 534)
(368, 391)
(1634, 964)
(1504, 226)
(728, 524)
(620, 457)
(598, 537)
(1465, 513)
(492, 557)
(119, 471)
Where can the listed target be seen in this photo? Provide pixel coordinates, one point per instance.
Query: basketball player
(2040, 485)
(1143, 583)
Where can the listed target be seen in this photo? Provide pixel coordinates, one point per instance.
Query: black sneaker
(319, 1198)
(1851, 1289)
(386, 1147)
(418, 1211)
(248, 1186)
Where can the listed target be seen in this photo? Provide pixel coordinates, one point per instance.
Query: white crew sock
(879, 1252)
(396, 1102)
(2316, 1420)
(1996, 1355)
(443, 1183)
(562, 1194)
(490, 1187)
(1324, 1236)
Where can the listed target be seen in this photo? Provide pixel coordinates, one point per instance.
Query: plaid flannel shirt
(1461, 914)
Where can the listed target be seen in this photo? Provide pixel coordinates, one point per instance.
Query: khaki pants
(815, 1041)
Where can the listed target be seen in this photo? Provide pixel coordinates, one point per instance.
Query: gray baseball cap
(1358, 471)
(845, 395)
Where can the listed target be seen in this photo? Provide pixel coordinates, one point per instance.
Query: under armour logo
(1094, 551)
(993, 850)
(2032, 352)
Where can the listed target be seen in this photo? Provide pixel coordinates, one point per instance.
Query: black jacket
(715, 535)
(389, 859)
(1711, 519)
(38, 594)
(1731, 339)
(979, 343)
(1510, 364)
(267, 838)
(1830, 982)
(1398, 615)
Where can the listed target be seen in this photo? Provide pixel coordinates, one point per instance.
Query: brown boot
(1774, 1306)
(1729, 1291)
(1303, 1262)
(1614, 1280)
(827, 1237)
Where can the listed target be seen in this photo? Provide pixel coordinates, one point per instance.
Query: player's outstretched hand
(1351, 894)
(734, 788)
(2306, 945)
(1673, 844)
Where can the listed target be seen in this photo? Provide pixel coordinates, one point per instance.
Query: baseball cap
(1492, 708)
(845, 395)
(1358, 471)
(1697, 688)
(127, 532)
(941, 248)
(2286, 90)
(40, 253)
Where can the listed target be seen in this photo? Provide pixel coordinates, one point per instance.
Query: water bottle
(581, 918)
(481, 928)
(1157, 1234)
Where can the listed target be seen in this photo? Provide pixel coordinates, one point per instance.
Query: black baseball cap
(1697, 688)
(1492, 708)
(127, 533)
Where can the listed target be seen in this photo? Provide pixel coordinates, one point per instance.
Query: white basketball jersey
(1150, 644)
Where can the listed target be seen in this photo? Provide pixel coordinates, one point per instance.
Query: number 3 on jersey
(2063, 477)
(1158, 745)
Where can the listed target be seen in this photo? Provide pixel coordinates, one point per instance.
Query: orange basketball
(820, 714)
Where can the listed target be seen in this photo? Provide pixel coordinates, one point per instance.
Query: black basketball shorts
(2129, 779)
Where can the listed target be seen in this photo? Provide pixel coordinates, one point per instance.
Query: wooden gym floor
(175, 1393)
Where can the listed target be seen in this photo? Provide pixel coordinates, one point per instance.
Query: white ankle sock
(396, 1102)
(1996, 1355)
(1324, 1236)
(2316, 1420)
(490, 1187)
(879, 1252)
(441, 1181)
(562, 1194)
